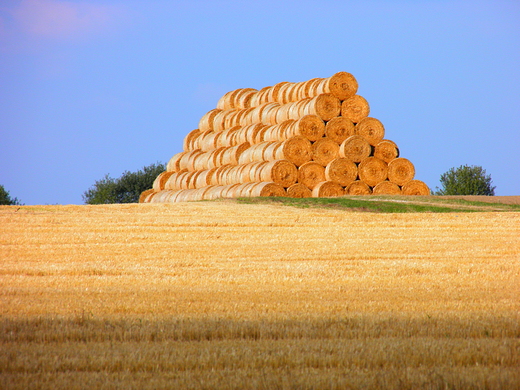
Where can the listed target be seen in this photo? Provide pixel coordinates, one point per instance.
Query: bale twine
(232, 154)
(326, 106)
(341, 170)
(311, 127)
(281, 172)
(355, 148)
(355, 108)
(400, 171)
(327, 189)
(188, 140)
(324, 151)
(358, 188)
(311, 173)
(372, 171)
(386, 188)
(342, 85)
(415, 187)
(297, 150)
(371, 129)
(267, 189)
(160, 181)
(339, 129)
(206, 122)
(386, 150)
(298, 190)
(143, 198)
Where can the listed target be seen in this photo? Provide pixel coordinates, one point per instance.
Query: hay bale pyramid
(304, 139)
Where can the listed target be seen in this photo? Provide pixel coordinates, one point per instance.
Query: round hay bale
(174, 162)
(249, 132)
(339, 129)
(298, 190)
(269, 113)
(206, 122)
(160, 181)
(297, 150)
(192, 182)
(324, 151)
(358, 188)
(311, 127)
(209, 141)
(274, 91)
(267, 189)
(355, 148)
(326, 106)
(270, 152)
(187, 159)
(260, 97)
(307, 88)
(415, 187)
(224, 103)
(255, 170)
(281, 172)
(310, 174)
(371, 129)
(143, 198)
(243, 98)
(372, 171)
(260, 135)
(232, 154)
(341, 170)
(386, 188)
(193, 159)
(400, 171)
(355, 108)
(188, 140)
(196, 142)
(386, 150)
(327, 189)
(342, 85)
(204, 178)
(170, 183)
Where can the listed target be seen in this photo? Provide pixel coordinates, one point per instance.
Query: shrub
(466, 180)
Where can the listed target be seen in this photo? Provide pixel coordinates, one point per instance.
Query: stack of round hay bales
(307, 139)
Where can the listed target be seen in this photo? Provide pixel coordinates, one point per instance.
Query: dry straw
(400, 171)
(297, 150)
(324, 151)
(371, 129)
(326, 106)
(298, 190)
(267, 189)
(327, 189)
(281, 172)
(145, 195)
(339, 129)
(356, 148)
(372, 171)
(341, 170)
(387, 188)
(415, 187)
(311, 127)
(355, 108)
(342, 85)
(386, 150)
(358, 187)
(310, 174)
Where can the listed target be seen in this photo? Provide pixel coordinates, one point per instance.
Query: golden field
(223, 295)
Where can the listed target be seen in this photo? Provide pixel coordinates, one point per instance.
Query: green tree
(5, 198)
(125, 189)
(466, 180)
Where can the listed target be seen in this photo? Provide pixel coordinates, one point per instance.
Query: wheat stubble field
(220, 295)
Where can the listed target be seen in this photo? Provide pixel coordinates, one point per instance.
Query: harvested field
(257, 296)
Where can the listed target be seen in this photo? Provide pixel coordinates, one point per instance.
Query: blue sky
(89, 88)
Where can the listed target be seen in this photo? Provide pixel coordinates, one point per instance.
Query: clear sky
(96, 87)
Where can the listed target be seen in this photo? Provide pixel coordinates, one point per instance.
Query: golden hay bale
(327, 189)
(324, 151)
(339, 129)
(311, 127)
(210, 141)
(297, 150)
(243, 98)
(281, 172)
(185, 159)
(196, 142)
(326, 106)
(386, 150)
(232, 154)
(416, 187)
(188, 140)
(355, 108)
(143, 198)
(174, 162)
(224, 103)
(355, 148)
(358, 187)
(255, 170)
(270, 152)
(386, 188)
(307, 90)
(400, 171)
(279, 131)
(204, 178)
(342, 85)
(161, 180)
(269, 113)
(298, 190)
(274, 91)
(206, 122)
(372, 170)
(311, 173)
(217, 174)
(267, 189)
(192, 182)
(371, 129)
(341, 170)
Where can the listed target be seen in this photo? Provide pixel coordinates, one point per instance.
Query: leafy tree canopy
(5, 198)
(125, 189)
(466, 180)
